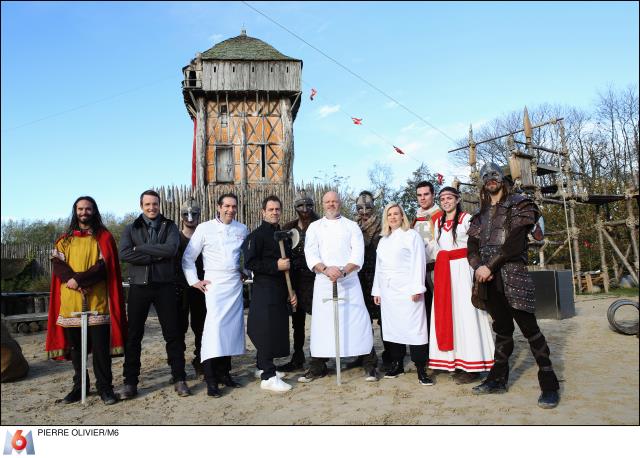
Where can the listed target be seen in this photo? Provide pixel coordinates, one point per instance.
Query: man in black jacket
(268, 321)
(149, 246)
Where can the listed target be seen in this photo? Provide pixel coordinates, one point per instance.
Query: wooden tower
(243, 96)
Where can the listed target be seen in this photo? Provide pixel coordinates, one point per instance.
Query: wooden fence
(249, 200)
(39, 252)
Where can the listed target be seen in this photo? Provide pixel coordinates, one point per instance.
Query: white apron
(337, 242)
(400, 271)
(356, 337)
(220, 244)
(223, 333)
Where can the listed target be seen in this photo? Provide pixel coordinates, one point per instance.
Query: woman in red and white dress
(460, 335)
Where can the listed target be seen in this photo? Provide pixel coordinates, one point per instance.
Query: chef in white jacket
(398, 287)
(334, 250)
(219, 241)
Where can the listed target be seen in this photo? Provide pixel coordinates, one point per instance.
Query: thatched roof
(244, 47)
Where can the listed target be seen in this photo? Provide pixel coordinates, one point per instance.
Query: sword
(336, 326)
(84, 325)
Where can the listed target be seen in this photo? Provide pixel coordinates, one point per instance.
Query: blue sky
(92, 103)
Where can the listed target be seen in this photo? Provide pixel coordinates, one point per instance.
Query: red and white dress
(460, 335)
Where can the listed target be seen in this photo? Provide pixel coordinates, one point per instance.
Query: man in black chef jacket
(268, 321)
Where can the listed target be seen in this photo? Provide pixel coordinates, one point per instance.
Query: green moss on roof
(243, 47)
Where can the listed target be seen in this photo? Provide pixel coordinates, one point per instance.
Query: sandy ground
(597, 368)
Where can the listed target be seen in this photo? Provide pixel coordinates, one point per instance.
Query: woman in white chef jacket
(398, 288)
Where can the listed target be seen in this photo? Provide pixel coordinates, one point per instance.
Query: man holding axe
(340, 325)
(266, 252)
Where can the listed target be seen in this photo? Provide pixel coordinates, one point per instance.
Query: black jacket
(150, 263)
(268, 320)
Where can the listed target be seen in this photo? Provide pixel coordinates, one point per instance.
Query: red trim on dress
(442, 296)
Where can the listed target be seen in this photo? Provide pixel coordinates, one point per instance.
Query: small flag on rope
(357, 121)
(398, 150)
(440, 178)
(313, 93)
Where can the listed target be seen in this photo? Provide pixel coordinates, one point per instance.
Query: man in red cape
(86, 268)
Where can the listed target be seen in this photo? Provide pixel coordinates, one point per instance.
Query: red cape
(56, 345)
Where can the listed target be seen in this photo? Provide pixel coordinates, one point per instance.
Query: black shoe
(213, 390)
(423, 378)
(182, 389)
(74, 396)
(549, 399)
(297, 362)
(397, 368)
(462, 378)
(355, 363)
(108, 397)
(128, 392)
(490, 387)
(228, 381)
(310, 376)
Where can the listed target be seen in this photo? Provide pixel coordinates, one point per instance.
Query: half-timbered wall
(248, 139)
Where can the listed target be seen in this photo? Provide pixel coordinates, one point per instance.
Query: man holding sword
(340, 325)
(86, 281)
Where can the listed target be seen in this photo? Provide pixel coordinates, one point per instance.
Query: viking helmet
(190, 209)
(365, 199)
(302, 197)
(491, 171)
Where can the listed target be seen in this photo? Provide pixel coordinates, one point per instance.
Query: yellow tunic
(81, 253)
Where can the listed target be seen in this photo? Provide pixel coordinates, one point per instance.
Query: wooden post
(631, 223)
(603, 257)
(624, 261)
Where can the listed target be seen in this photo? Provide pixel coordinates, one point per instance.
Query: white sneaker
(259, 372)
(275, 384)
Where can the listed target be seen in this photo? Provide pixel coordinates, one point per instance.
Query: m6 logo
(19, 443)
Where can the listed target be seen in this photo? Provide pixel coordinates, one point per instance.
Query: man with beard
(149, 245)
(190, 300)
(268, 321)
(424, 224)
(371, 226)
(219, 241)
(301, 278)
(334, 250)
(497, 251)
(86, 277)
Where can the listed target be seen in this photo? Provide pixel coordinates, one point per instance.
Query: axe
(280, 237)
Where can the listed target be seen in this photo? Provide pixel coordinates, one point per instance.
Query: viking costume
(302, 282)
(268, 320)
(191, 302)
(223, 335)
(92, 260)
(498, 240)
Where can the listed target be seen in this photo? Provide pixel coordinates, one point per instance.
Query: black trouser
(215, 369)
(162, 295)
(503, 316)
(192, 302)
(297, 322)
(98, 339)
(266, 365)
(419, 353)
